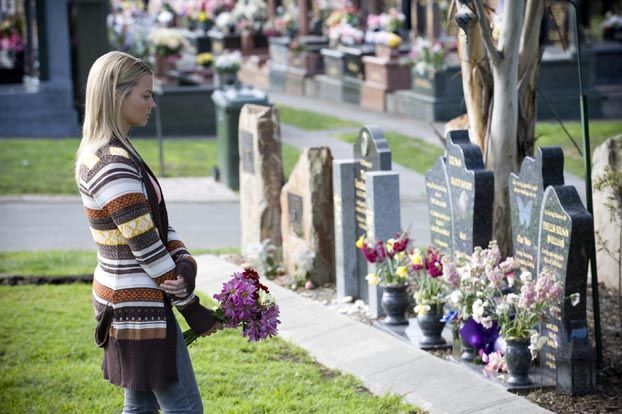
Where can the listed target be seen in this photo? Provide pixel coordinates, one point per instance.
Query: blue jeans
(180, 397)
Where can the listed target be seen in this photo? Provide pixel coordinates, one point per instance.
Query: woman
(143, 268)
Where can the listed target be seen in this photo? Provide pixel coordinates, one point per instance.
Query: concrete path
(384, 363)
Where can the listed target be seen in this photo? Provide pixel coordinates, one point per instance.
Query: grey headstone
(383, 221)
(372, 152)
(526, 190)
(439, 206)
(565, 236)
(346, 254)
(472, 192)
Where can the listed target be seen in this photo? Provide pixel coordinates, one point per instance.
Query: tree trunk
(476, 84)
(531, 49)
(501, 156)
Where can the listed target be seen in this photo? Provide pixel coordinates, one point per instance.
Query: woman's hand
(176, 287)
(217, 326)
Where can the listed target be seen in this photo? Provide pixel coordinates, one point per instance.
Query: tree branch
(494, 55)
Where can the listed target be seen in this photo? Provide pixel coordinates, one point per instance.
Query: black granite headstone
(294, 208)
(472, 192)
(565, 235)
(526, 190)
(246, 146)
(372, 152)
(439, 206)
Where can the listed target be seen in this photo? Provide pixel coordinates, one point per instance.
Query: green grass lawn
(413, 153)
(45, 166)
(312, 121)
(551, 134)
(49, 364)
(65, 262)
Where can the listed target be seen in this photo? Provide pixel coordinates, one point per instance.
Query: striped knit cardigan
(137, 251)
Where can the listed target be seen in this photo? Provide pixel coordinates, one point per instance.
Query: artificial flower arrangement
(228, 63)
(343, 26)
(250, 15)
(205, 59)
(383, 38)
(244, 301)
(431, 288)
(389, 22)
(427, 57)
(390, 258)
(167, 42)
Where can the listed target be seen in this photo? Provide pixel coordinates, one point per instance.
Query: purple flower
(237, 300)
(433, 263)
(401, 242)
(264, 325)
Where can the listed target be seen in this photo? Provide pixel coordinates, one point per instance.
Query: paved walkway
(384, 363)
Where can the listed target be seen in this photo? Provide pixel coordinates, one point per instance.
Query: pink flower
(433, 263)
(451, 275)
(527, 295)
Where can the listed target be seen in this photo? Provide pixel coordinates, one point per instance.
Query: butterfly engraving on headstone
(524, 211)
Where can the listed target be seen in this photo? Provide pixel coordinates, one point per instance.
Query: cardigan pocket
(102, 329)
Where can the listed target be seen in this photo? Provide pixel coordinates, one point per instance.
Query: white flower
(486, 321)
(478, 310)
(266, 299)
(512, 298)
(455, 297)
(537, 342)
(525, 276)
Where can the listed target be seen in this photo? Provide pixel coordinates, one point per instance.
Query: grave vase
(518, 359)
(395, 302)
(468, 353)
(431, 327)
(222, 79)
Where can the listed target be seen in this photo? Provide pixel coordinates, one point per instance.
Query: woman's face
(138, 104)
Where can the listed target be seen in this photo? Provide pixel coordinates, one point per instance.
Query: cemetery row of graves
(338, 220)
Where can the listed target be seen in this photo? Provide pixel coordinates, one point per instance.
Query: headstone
(439, 206)
(360, 188)
(526, 190)
(261, 175)
(565, 236)
(471, 190)
(307, 214)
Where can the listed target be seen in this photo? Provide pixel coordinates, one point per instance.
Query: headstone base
(295, 81)
(277, 77)
(352, 90)
(329, 88)
(415, 105)
(373, 97)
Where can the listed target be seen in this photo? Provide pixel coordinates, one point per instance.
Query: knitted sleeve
(174, 245)
(115, 185)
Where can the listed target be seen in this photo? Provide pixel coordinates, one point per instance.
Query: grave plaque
(246, 147)
(471, 189)
(294, 207)
(526, 190)
(439, 206)
(372, 152)
(565, 237)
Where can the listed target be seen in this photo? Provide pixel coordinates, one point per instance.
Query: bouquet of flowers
(390, 22)
(244, 301)
(167, 42)
(205, 59)
(383, 38)
(427, 57)
(345, 34)
(250, 14)
(431, 288)
(228, 63)
(390, 258)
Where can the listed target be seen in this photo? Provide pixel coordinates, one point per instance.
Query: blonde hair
(110, 80)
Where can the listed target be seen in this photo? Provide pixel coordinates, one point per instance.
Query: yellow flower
(202, 16)
(372, 279)
(399, 256)
(205, 59)
(401, 272)
(360, 242)
(393, 40)
(416, 258)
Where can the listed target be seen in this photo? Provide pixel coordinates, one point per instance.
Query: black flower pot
(395, 302)
(518, 359)
(468, 352)
(431, 327)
